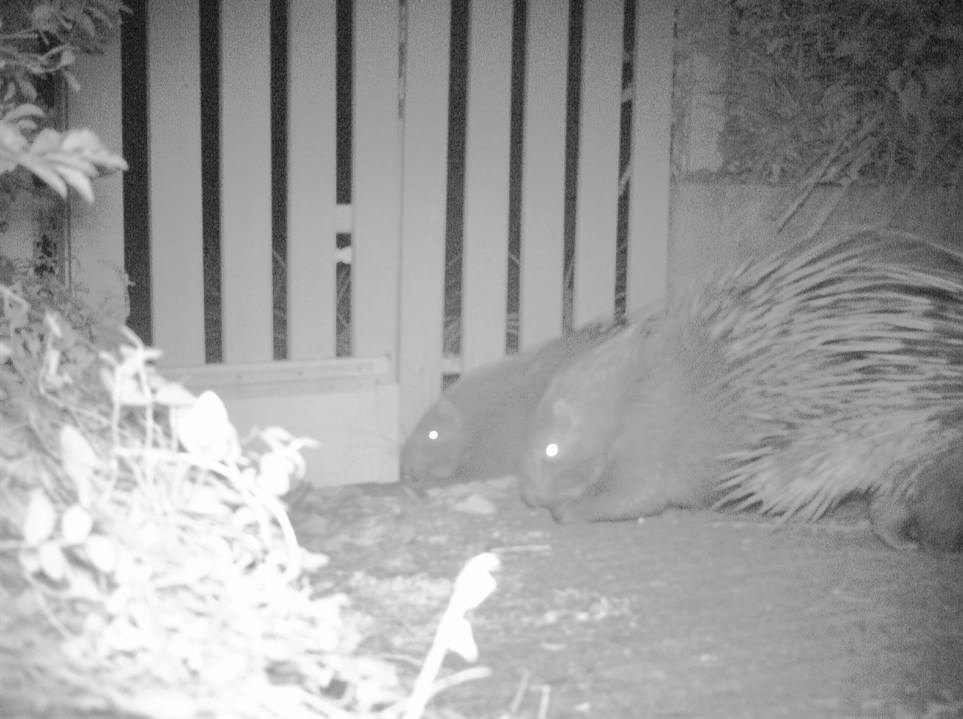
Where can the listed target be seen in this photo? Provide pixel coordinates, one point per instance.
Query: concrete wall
(715, 225)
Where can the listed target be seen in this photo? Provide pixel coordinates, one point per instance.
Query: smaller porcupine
(787, 385)
(476, 428)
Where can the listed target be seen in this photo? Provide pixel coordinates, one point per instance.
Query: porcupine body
(476, 429)
(786, 385)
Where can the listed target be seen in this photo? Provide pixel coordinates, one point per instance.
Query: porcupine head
(559, 447)
(434, 447)
(476, 429)
(630, 429)
(472, 431)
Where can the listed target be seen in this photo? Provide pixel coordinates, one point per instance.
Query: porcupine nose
(529, 480)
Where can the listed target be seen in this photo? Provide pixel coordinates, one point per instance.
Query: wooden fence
(242, 191)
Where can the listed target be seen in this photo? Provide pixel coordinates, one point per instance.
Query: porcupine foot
(625, 490)
(572, 499)
(931, 516)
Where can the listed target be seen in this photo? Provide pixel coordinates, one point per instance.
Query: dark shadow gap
(625, 157)
(516, 130)
(344, 117)
(576, 22)
(455, 200)
(279, 176)
(210, 89)
(134, 142)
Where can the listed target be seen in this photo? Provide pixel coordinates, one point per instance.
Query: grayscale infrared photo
(481, 359)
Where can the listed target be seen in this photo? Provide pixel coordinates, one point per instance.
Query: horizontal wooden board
(349, 406)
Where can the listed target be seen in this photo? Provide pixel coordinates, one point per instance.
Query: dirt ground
(691, 614)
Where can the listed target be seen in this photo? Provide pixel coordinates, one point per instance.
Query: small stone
(475, 504)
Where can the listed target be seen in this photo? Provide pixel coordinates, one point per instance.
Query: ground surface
(692, 614)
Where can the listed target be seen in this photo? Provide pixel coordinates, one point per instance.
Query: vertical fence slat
(485, 259)
(651, 128)
(598, 168)
(97, 231)
(173, 59)
(424, 182)
(543, 171)
(376, 180)
(246, 180)
(311, 179)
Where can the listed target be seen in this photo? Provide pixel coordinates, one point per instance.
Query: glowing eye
(551, 450)
(433, 434)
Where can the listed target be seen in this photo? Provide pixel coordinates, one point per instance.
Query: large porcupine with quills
(786, 385)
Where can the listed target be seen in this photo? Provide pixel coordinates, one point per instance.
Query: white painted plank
(424, 178)
(97, 230)
(597, 195)
(543, 171)
(349, 406)
(246, 181)
(376, 176)
(311, 179)
(651, 127)
(487, 148)
(176, 240)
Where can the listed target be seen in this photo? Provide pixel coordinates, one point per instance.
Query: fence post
(312, 165)
(247, 317)
(376, 181)
(174, 195)
(424, 179)
(651, 140)
(543, 171)
(487, 154)
(597, 195)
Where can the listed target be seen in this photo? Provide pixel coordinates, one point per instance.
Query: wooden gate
(238, 176)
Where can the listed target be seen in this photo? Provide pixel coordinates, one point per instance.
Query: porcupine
(476, 428)
(787, 385)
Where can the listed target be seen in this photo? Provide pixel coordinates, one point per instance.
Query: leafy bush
(39, 42)
(820, 91)
(147, 563)
(146, 558)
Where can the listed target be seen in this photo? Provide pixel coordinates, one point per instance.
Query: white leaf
(102, 552)
(46, 141)
(475, 581)
(75, 524)
(461, 640)
(204, 429)
(313, 561)
(78, 180)
(85, 144)
(172, 394)
(274, 473)
(40, 520)
(79, 460)
(52, 561)
(21, 111)
(11, 139)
